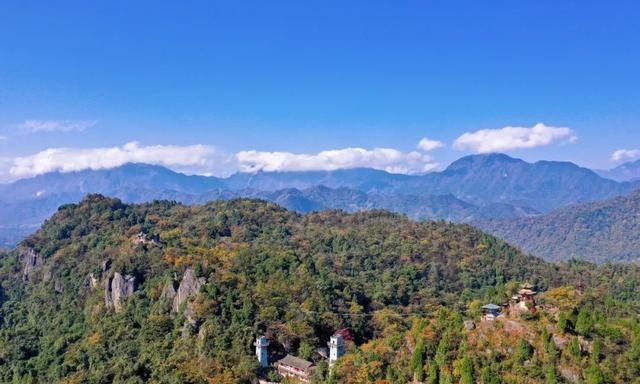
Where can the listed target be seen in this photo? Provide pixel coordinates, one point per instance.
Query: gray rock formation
(189, 286)
(144, 239)
(168, 292)
(106, 265)
(117, 288)
(31, 263)
(58, 286)
(93, 281)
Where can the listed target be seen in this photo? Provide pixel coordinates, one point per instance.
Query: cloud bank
(625, 154)
(34, 126)
(207, 160)
(427, 144)
(387, 159)
(510, 138)
(196, 158)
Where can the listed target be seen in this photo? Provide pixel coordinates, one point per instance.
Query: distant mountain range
(477, 188)
(601, 231)
(625, 172)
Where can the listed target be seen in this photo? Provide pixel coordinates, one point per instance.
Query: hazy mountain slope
(626, 172)
(130, 179)
(601, 231)
(362, 179)
(544, 185)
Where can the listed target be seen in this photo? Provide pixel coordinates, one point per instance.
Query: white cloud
(387, 159)
(193, 158)
(509, 138)
(3, 137)
(207, 160)
(625, 154)
(56, 125)
(427, 144)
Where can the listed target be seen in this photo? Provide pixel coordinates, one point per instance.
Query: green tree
(551, 374)
(563, 322)
(433, 373)
(573, 348)
(596, 350)
(584, 322)
(593, 375)
(524, 351)
(466, 371)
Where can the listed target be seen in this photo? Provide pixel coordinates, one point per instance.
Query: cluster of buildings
(295, 367)
(524, 301)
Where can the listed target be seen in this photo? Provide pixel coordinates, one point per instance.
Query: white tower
(336, 348)
(261, 351)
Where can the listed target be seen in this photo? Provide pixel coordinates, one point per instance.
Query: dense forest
(167, 293)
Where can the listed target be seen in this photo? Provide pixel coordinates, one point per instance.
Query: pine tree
(466, 371)
(417, 360)
(584, 322)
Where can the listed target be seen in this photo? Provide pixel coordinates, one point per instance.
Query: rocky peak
(117, 288)
(31, 263)
(189, 286)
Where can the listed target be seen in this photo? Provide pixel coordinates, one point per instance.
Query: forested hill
(167, 293)
(604, 231)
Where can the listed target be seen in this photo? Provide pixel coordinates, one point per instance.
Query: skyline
(403, 87)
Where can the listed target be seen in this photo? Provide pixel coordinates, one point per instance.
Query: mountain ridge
(475, 187)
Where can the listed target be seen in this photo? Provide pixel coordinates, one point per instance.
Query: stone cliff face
(31, 263)
(118, 288)
(189, 286)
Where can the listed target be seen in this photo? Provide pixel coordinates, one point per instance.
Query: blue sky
(305, 77)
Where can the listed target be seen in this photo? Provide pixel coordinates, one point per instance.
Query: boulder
(585, 345)
(117, 288)
(570, 375)
(58, 285)
(560, 341)
(469, 325)
(93, 281)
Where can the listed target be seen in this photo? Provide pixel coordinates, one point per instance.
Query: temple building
(526, 297)
(295, 368)
(490, 312)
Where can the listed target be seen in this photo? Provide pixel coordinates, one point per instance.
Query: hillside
(163, 292)
(600, 232)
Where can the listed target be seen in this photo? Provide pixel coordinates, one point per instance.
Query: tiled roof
(296, 362)
(491, 307)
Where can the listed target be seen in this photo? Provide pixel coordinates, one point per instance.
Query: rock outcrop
(118, 288)
(93, 281)
(144, 239)
(106, 264)
(31, 263)
(168, 292)
(58, 286)
(189, 286)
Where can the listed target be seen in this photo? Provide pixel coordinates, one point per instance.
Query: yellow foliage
(95, 339)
